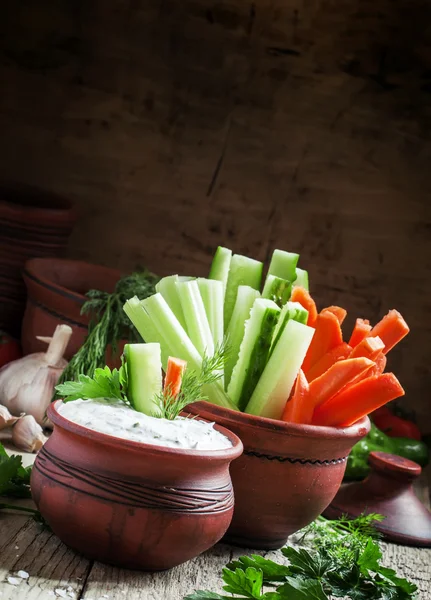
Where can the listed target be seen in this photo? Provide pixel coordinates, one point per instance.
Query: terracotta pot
(56, 289)
(33, 223)
(131, 504)
(287, 475)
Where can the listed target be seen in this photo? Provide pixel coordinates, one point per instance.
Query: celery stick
(137, 314)
(144, 369)
(302, 278)
(283, 264)
(174, 341)
(168, 288)
(243, 271)
(197, 325)
(220, 266)
(235, 332)
(254, 351)
(212, 296)
(276, 289)
(273, 389)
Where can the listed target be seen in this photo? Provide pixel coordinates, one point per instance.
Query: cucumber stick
(254, 351)
(140, 319)
(302, 278)
(213, 296)
(144, 369)
(273, 389)
(220, 265)
(168, 288)
(174, 341)
(243, 271)
(235, 332)
(283, 264)
(195, 316)
(277, 289)
(291, 310)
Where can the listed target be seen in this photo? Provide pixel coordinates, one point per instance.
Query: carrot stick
(358, 400)
(391, 329)
(369, 347)
(339, 312)
(341, 373)
(328, 359)
(301, 295)
(174, 376)
(362, 329)
(380, 361)
(326, 337)
(299, 409)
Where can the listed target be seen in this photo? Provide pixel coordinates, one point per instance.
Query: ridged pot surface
(287, 475)
(129, 504)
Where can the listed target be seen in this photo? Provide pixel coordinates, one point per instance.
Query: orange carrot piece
(360, 331)
(342, 373)
(380, 361)
(299, 409)
(174, 376)
(358, 400)
(327, 360)
(391, 329)
(301, 295)
(369, 347)
(339, 312)
(326, 337)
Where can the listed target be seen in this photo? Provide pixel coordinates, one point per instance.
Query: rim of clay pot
(293, 429)
(33, 266)
(105, 439)
(34, 199)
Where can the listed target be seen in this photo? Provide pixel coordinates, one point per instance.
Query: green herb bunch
(341, 559)
(108, 323)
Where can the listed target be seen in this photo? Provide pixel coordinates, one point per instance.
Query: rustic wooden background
(179, 125)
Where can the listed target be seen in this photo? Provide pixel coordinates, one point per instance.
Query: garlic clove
(27, 434)
(6, 419)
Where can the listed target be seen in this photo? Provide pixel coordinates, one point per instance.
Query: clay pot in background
(33, 223)
(287, 475)
(132, 504)
(55, 289)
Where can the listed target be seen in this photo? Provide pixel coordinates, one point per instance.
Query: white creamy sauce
(119, 420)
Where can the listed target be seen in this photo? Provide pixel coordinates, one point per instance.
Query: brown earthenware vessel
(55, 294)
(287, 475)
(387, 491)
(33, 223)
(131, 504)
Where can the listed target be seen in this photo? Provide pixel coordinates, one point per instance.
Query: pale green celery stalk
(273, 389)
(291, 310)
(220, 266)
(175, 342)
(235, 332)
(212, 296)
(168, 288)
(302, 278)
(243, 271)
(277, 289)
(197, 325)
(283, 264)
(144, 372)
(137, 314)
(254, 351)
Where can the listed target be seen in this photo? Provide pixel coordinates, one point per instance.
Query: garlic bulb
(27, 434)
(6, 419)
(27, 384)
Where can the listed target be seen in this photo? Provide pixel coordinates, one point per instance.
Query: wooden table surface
(57, 572)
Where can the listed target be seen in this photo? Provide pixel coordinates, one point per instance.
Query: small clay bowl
(131, 504)
(287, 475)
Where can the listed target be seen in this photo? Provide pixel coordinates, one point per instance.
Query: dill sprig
(108, 323)
(193, 384)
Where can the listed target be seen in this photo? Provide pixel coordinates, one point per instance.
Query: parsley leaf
(248, 582)
(307, 565)
(271, 570)
(14, 478)
(111, 385)
(302, 589)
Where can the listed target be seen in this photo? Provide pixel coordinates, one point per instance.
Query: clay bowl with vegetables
(293, 389)
(127, 488)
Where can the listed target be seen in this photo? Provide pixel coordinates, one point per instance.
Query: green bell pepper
(357, 463)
